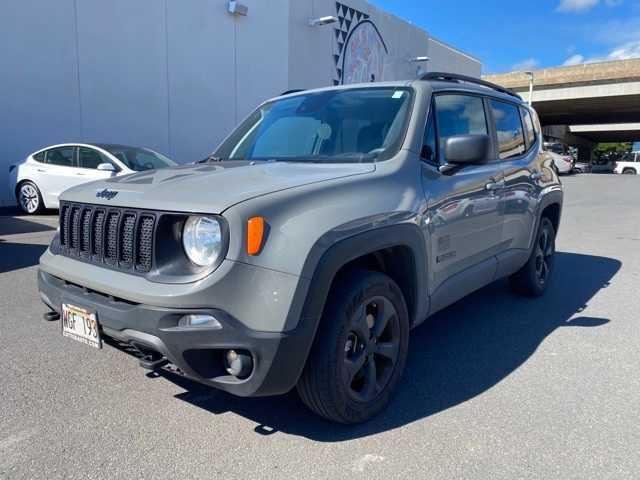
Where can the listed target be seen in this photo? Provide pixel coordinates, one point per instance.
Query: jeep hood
(208, 188)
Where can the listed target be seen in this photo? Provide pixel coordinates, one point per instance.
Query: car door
(57, 173)
(522, 162)
(463, 207)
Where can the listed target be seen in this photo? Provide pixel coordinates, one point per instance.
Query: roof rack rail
(291, 92)
(454, 77)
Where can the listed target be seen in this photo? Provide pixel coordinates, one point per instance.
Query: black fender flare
(552, 197)
(328, 255)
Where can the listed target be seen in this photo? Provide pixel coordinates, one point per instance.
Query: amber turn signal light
(255, 235)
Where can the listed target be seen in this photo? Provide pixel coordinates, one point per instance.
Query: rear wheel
(29, 198)
(532, 279)
(629, 171)
(360, 349)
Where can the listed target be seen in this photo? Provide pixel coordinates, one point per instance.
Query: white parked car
(629, 164)
(39, 180)
(562, 159)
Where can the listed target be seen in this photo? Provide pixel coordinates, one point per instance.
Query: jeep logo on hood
(106, 194)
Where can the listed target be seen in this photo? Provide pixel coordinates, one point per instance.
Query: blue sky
(521, 35)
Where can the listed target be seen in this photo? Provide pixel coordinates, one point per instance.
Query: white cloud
(626, 51)
(528, 64)
(568, 6)
(577, 5)
(576, 59)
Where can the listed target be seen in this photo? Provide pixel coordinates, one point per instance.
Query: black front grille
(118, 237)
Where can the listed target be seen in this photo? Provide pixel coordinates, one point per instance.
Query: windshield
(139, 159)
(356, 125)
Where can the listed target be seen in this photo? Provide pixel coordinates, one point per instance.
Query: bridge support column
(585, 154)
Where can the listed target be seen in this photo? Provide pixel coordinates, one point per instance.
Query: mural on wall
(360, 49)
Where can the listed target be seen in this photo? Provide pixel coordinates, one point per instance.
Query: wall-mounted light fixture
(238, 9)
(318, 22)
(420, 70)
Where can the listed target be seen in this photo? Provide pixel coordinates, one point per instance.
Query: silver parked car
(320, 232)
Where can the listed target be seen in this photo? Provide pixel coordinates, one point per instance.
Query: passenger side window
(529, 131)
(509, 129)
(90, 158)
(39, 157)
(459, 115)
(429, 148)
(62, 156)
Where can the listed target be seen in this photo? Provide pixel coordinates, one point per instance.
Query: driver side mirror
(106, 167)
(467, 149)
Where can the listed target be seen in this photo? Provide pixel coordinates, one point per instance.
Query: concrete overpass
(599, 102)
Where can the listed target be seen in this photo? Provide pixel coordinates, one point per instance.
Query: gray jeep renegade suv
(322, 230)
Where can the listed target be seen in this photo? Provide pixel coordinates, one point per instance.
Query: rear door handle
(495, 185)
(42, 170)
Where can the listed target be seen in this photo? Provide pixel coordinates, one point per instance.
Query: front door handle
(495, 185)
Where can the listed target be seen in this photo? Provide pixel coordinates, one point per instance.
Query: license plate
(81, 325)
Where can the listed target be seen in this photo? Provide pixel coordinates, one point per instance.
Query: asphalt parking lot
(496, 386)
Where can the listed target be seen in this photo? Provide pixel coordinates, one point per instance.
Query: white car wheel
(29, 198)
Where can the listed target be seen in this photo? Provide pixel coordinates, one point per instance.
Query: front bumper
(197, 353)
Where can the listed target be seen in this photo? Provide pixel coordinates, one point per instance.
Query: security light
(236, 8)
(317, 22)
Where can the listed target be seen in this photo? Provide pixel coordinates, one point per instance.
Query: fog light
(200, 321)
(238, 364)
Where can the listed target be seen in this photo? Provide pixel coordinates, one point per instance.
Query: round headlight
(202, 240)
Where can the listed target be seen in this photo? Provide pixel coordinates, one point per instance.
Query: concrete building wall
(177, 76)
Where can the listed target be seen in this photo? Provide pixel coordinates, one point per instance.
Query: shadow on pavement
(14, 256)
(16, 226)
(456, 355)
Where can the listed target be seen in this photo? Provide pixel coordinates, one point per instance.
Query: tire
(29, 198)
(629, 171)
(533, 279)
(363, 335)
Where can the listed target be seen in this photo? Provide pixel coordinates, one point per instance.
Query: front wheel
(29, 198)
(532, 279)
(360, 349)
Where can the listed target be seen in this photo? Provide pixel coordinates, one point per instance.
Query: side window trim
(492, 131)
(431, 120)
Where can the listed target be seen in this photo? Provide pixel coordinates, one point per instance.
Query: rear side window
(459, 115)
(62, 156)
(90, 158)
(529, 131)
(39, 157)
(509, 129)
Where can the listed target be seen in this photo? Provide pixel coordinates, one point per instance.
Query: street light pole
(530, 87)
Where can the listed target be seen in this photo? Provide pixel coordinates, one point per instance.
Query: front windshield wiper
(211, 159)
